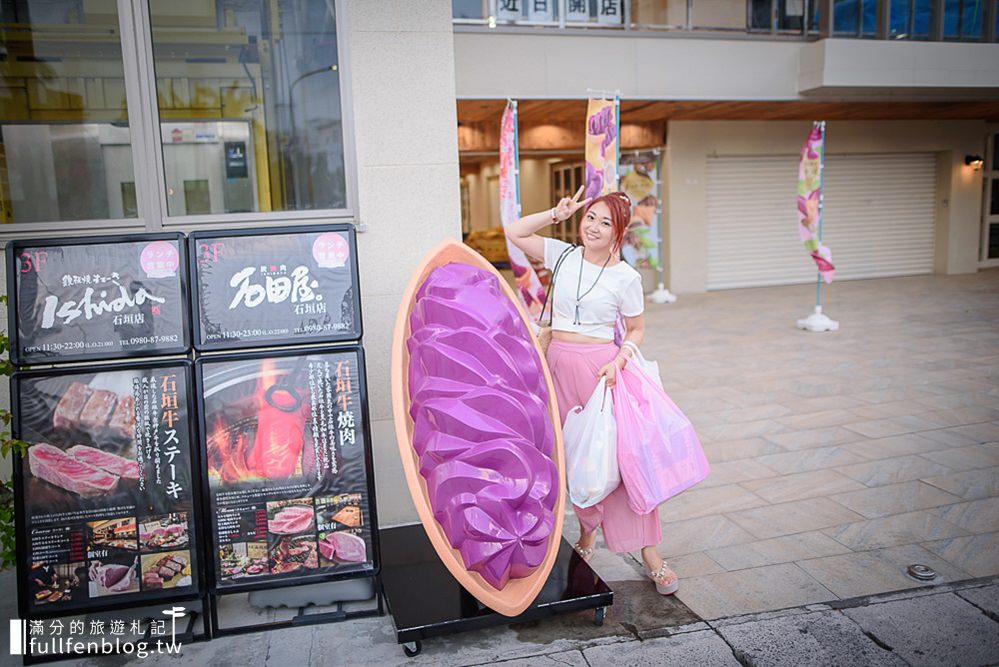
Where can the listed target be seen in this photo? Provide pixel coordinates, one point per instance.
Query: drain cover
(922, 572)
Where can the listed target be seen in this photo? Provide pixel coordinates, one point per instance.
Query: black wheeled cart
(425, 601)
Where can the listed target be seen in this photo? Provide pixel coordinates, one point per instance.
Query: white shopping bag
(647, 366)
(590, 437)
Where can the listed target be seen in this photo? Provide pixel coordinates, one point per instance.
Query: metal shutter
(878, 218)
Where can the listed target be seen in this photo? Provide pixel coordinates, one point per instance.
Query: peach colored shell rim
(518, 594)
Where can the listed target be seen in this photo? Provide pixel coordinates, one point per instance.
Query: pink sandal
(586, 553)
(659, 579)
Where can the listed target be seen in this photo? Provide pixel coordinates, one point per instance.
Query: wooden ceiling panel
(535, 112)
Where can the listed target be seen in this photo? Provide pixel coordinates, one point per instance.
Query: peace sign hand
(566, 207)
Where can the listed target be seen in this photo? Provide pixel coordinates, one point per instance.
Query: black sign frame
(323, 338)
(14, 322)
(198, 591)
(210, 544)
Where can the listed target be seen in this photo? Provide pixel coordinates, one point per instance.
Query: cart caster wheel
(412, 652)
(598, 616)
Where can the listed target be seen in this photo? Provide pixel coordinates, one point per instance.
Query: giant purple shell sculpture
(478, 428)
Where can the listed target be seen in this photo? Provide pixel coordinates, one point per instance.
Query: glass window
(962, 19)
(466, 9)
(65, 152)
(910, 19)
(250, 106)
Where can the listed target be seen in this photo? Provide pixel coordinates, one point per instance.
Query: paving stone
(978, 555)
(740, 431)
(755, 589)
(693, 535)
(932, 630)
(893, 470)
(895, 499)
(894, 530)
(978, 516)
(794, 517)
(810, 459)
(882, 428)
(818, 639)
(985, 598)
(785, 549)
(970, 485)
(895, 446)
(691, 565)
(869, 572)
(699, 502)
(810, 438)
(572, 658)
(801, 485)
(733, 450)
(952, 437)
(966, 458)
(703, 648)
(732, 472)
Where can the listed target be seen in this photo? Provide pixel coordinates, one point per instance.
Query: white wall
(691, 142)
(645, 65)
(501, 65)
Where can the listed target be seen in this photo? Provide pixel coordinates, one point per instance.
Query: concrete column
(401, 78)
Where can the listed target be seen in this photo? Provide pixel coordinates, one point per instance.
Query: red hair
(620, 210)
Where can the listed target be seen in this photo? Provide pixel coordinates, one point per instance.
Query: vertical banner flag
(810, 200)
(530, 291)
(601, 147)
(640, 181)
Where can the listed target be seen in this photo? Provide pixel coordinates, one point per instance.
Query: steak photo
(112, 463)
(67, 412)
(58, 468)
(122, 422)
(97, 412)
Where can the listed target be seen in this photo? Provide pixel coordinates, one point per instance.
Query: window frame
(142, 107)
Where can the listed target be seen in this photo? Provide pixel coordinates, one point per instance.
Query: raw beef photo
(112, 463)
(112, 578)
(291, 520)
(60, 469)
(347, 547)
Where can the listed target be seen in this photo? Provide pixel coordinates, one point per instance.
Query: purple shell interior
(482, 430)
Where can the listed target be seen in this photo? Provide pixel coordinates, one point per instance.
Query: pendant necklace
(579, 297)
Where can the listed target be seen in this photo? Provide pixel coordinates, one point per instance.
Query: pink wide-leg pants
(574, 368)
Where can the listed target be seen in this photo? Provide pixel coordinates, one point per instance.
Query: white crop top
(619, 289)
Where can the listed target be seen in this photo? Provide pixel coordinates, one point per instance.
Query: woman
(592, 286)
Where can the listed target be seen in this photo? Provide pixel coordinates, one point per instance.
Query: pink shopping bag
(658, 452)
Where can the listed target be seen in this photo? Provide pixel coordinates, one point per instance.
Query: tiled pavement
(837, 458)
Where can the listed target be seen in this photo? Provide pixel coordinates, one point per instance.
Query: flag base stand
(818, 322)
(662, 295)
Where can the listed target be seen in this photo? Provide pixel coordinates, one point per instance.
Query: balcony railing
(930, 20)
